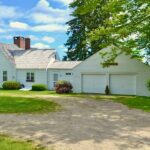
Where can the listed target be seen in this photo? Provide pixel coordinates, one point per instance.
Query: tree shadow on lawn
(103, 122)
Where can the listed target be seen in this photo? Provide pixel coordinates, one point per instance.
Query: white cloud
(62, 48)
(42, 5)
(2, 30)
(49, 28)
(38, 28)
(66, 2)
(19, 25)
(40, 46)
(8, 37)
(44, 13)
(48, 39)
(7, 12)
(33, 38)
(49, 18)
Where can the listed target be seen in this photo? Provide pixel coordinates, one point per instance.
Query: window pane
(28, 76)
(68, 74)
(32, 76)
(55, 77)
(4, 75)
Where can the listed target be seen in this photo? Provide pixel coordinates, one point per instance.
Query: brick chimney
(27, 43)
(19, 41)
(22, 42)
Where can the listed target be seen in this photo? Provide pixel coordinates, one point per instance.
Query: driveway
(83, 125)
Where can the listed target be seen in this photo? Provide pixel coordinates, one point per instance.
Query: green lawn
(142, 103)
(7, 143)
(26, 105)
(137, 102)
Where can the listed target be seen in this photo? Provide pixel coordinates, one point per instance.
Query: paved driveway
(83, 125)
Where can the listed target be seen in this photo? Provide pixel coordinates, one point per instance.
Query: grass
(142, 103)
(26, 105)
(137, 102)
(7, 143)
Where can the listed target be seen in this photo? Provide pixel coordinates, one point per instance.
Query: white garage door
(93, 83)
(123, 84)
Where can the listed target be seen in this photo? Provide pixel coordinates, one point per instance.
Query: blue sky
(41, 20)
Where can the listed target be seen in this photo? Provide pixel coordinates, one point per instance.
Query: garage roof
(63, 64)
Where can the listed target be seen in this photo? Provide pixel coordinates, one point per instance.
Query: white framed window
(55, 79)
(30, 77)
(68, 73)
(5, 78)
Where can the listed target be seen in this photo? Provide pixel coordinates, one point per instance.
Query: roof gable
(27, 59)
(33, 59)
(63, 64)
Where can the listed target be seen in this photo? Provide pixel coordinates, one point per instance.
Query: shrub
(107, 91)
(39, 87)
(11, 85)
(148, 85)
(63, 87)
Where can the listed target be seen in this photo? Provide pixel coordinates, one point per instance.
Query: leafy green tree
(127, 27)
(99, 23)
(78, 44)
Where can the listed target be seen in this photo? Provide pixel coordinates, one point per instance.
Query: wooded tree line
(96, 24)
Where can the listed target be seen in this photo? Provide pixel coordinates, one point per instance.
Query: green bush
(148, 85)
(63, 87)
(39, 87)
(107, 91)
(11, 85)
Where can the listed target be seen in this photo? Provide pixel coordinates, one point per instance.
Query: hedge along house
(29, 66)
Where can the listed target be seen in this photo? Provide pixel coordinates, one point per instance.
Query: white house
(29, 66)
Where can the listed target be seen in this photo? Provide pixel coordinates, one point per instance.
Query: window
(4, 75)
(55, 79)
(68, 74)
(30, 77)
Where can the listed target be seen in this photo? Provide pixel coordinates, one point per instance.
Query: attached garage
(123, 84)
(93, 83)
(125, 76)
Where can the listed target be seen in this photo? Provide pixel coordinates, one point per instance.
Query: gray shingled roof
(7, 48)
(34, 58)
(27, 59)
(63, 64)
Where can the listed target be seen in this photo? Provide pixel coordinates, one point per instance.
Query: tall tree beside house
(128, 27)
(78, 44)
(123, 23)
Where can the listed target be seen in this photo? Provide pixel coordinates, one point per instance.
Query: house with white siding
(20, 62)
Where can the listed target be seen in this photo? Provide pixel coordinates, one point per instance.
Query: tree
(127, 27)
(123, 23)
(78, 44)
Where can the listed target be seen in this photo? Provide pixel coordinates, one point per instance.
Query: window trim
(68, 73)
(30, 77)
(5, 76)
(54, 79)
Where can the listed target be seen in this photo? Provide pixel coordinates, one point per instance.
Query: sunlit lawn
(26, 105)
(137, 102)
(7, 143)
